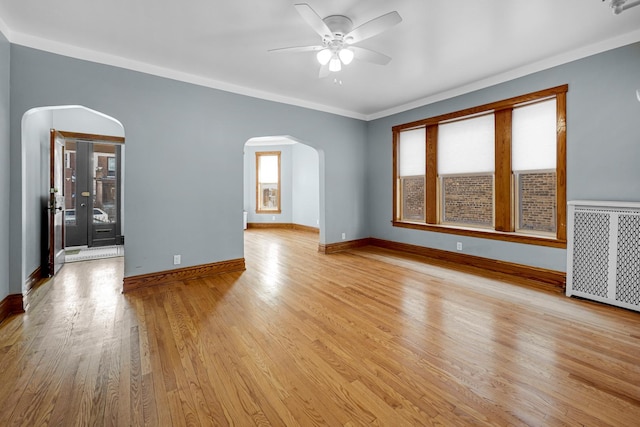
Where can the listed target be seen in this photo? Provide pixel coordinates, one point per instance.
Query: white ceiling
(440, 49)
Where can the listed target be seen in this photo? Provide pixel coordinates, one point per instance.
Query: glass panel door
(106, 194)
(70, 173)
(105, 191)
(93, 193)
(77, 193)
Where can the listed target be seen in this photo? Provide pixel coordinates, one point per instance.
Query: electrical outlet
(177, 259)
(459, 246)
(273, 218)
(344, 236)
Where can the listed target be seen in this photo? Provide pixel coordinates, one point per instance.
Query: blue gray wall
(305, 186)
(603, 148)
(184, 162)
(4, 165)
(36, 130)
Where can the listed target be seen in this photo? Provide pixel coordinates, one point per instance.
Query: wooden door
(56, 203)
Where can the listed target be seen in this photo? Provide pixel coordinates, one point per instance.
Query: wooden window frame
(504, 228)
(259, 209)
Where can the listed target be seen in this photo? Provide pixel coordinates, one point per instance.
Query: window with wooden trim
(494, 171)
(268, 182)
(466, 167)
(411, 177)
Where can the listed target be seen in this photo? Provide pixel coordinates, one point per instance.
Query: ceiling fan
(619, 6)
(339, 38)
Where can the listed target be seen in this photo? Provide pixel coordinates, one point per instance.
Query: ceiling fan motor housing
(339, 25)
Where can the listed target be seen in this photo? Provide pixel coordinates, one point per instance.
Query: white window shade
(533, 136)
(413, 157)
(268, 169)
(467, 146)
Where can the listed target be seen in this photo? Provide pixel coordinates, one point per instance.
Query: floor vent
(603, 252)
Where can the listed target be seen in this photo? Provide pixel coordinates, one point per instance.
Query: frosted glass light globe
(346, 56)
(324, 56)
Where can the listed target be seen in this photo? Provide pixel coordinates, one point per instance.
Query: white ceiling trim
(545, 64)
(261, 141)
(121, 62)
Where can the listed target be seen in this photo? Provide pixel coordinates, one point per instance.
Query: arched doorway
(300, 199)
(35, 171)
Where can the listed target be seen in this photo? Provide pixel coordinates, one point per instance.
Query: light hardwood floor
(367, 336)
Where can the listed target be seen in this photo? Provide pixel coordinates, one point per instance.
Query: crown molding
(85, 54)
(126, 63)
(564, 58)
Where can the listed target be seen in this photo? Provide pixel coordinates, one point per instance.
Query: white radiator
(603, 252)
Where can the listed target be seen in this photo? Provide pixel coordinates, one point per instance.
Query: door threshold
(84, 253)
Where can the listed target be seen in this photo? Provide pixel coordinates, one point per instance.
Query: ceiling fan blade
(368, 55)
(324, 71)
(373, 27)
(295, 49)
(313, 19)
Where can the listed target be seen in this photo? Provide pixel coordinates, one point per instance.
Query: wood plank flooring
(364, 337)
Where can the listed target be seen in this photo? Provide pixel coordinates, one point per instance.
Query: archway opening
(35, 173)
(301, 185)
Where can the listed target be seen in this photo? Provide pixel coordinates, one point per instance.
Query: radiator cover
(603, 252)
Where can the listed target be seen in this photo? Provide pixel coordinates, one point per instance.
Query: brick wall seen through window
(468, 199)
(413, 200)
(537, 192)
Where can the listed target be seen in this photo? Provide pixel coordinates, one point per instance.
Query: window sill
(528, 239)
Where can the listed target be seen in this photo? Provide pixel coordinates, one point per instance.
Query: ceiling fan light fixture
(324, 56)
(346, 56)
(334, 64)
(339, 38)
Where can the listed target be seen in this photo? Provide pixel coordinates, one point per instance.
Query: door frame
(56, 202)
(56, 197)
(99, 139)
